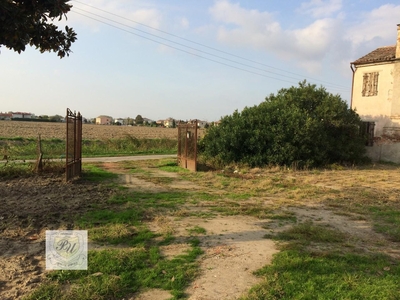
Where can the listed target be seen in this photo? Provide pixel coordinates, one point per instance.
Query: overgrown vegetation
(19, 148)
(302, 126)
(12, 169)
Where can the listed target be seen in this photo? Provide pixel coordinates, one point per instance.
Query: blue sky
(194, 59)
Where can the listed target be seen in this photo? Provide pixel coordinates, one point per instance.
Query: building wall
(395, 114)
(385, 152)
(169, 123)
(103, 120)
(22, 115)
(376, 108)
(396, 84)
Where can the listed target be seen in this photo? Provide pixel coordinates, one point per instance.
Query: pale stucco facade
(376, 88)
(104, 120)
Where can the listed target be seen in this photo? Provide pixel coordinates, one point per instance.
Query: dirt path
(233, 246)
(360, 232)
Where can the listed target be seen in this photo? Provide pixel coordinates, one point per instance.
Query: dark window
(367, 130)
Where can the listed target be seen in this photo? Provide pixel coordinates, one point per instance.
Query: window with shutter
(370, 84)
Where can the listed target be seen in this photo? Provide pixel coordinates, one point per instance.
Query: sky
(194, 59)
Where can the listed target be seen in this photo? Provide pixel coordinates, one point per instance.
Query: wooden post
(39, 163)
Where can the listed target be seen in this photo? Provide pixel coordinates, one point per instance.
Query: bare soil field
(30, 206)
(48, 130)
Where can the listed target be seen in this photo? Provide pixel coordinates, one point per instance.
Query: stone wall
(389, 152)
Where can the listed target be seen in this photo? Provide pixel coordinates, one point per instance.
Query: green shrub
(302, 126)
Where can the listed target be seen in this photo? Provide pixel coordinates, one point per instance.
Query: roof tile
(381, 54)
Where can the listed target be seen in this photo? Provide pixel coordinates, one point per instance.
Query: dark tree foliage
(30, 22)
(302, 126)
(139, 120)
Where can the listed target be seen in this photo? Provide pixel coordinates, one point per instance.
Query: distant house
(119, 121)
(147, 120)
(376, 88)
(160, 122)
(104, 120)
(202, 124)
(216, 123)
(21, 115)
(170, 123)
(5, 116)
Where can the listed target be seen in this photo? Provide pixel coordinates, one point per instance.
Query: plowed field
(12, 129)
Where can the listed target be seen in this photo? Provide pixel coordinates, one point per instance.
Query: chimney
(398, 42)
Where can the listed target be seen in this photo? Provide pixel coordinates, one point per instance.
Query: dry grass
(165, 225)
(373, 184)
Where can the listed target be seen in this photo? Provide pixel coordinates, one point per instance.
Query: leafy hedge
(304, 125)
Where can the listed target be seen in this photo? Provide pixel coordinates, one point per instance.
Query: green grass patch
(203, 196)
(145, 200)
(196, 230)
(13, 169)
(303, 272)
(19, 148)
(159, 179)
(129, 145)
(120, 234)
(387, 221)
(115, 273)
(172, 166)
(135, 170)
(299, 275)
(239, 196)
(93, 172)
(307, 232)
(121, 221)
(129, 216)
(303, 234)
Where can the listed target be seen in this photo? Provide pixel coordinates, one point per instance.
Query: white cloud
(121, 11)
(377, 27)
(150, 17)
(184, 23)
(320, 8)
(306, 46)
(229, 13)
(314, 40)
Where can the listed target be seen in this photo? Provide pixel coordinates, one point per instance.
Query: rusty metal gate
(187, 146)
(73, 152)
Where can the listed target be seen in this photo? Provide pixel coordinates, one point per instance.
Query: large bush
(302, 126)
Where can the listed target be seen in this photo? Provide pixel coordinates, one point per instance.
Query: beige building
(169, 123)
(376, 88)
(104, 120)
